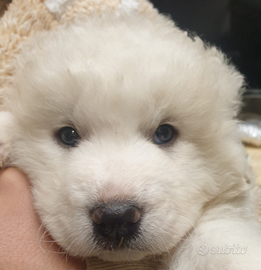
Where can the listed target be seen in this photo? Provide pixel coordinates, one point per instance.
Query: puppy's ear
(7, 127)
(231, 83)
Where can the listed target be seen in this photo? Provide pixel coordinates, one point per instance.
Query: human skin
(22, 245)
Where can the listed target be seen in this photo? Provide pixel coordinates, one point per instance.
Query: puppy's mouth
(124, 243)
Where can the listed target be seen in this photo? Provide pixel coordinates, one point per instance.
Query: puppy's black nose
(116, 219)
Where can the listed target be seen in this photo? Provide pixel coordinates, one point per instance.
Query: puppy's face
(122, 126)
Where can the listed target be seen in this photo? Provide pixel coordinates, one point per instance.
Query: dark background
(232, 25)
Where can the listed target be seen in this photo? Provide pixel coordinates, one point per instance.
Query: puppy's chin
(122, 255)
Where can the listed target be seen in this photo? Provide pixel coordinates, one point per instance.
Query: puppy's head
(126, 129)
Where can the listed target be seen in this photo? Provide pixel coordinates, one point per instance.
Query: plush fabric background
(255, 160)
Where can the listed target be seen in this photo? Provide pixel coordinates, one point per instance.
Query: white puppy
(126, 128)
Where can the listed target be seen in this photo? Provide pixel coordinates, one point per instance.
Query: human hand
(23, 245)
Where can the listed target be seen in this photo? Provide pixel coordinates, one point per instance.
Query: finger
(21, 239)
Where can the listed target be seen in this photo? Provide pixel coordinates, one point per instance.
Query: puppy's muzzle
(116, 220)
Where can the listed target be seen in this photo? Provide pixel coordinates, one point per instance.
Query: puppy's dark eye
(164, 134)
(68, 136)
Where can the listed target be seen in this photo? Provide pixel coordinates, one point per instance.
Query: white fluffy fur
(116, 80)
